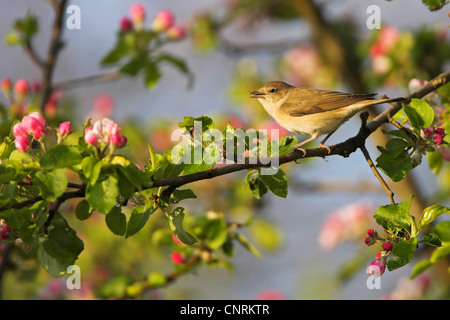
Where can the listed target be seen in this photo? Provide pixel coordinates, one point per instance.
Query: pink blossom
(376, 268)
(137, 13)
(387, 246)
(22, 143)
(33, 126)
(163, 21)
(428, 132)
(118, 140)
(65, 128)
(440, 131)
(387, 38)
(176, 32)
(415, 84)
(270, 294)
(90, 136)
(21, 87)
(19, 130)
(39, 117)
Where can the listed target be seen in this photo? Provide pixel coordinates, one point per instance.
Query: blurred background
(312, 242)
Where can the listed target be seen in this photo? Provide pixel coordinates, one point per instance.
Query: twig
(53, 51)
(70, 84)
(33, 55)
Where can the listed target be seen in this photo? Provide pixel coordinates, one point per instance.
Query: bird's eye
(272, 90)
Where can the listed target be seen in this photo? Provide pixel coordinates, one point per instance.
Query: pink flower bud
(387, 246)
(163, 21)
(22, 143)
(438, 139)
(64, 128)
(177, 258)
(125, 24)
(369, 241)
(415, 84)
(5, 84)
(428, 132)
(370, 232)
(376, 268)
(21, 87)
(118, 140)
(137, 13)
(19, 130)
(176, 33)
(379, 255)
(39, 117)
(440, 131)
(90, 136)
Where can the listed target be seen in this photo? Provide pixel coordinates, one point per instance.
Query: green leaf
(179, 195)
(151, 75)
(395, 167)
(102, 195)
(116, 54)
(443, 230)
(83, 210)
(27, 26)
(7, 173)
(61, 156)
(403, 250)
(138, 219)
(419, 113)
(394, 217)
(133, 67)
(52, 184)
(277, 183)
(440, 252)
(420, 267)
(435, 161)
(179, 63)
(247, 245)
(213, 231)
(189, 123)
(394, 147)
(285, 145)
(257, 187)
(431, 213)
(432, 239)
(434, 5)
(116, 221)
(175, 221)
(60, 249)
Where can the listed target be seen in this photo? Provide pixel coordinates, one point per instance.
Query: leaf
(83, 210)
(133, 67)
(176, 225)
(244, 242)
(138, 219)
(61, 156)
(116, 54)
(394, 147)
(60, 249)
(277, 183)
(52, 184)
(151, 75)
(420, 267)
(285, 145)
(431, 239)
(179, 63)
(403, 250)
(434, 5)
(435, 161)
(394, 217)
(431, 213)
(395, 167)
(257, 187)
(419, 113)
(179, 195)
(116, 221)
(443, 230)
(102, 195)
(7, 173)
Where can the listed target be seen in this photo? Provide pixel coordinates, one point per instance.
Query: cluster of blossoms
(345, 224)
(103, 133)
(378, 266)
(386, 40)
(34, 126)
(436, 135)
(14, 93)
(163, 22)
(4, 231)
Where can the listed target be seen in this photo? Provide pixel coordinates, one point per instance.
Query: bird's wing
(316, 101)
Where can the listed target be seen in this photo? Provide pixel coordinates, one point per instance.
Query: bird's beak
(257, 94)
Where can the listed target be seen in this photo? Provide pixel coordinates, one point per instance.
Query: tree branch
(70, 84)
(53, 51)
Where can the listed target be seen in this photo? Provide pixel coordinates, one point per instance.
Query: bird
(312, 112)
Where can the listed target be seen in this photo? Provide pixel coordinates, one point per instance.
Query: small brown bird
(310, 111)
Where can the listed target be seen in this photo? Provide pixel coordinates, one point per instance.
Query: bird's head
(272, 92)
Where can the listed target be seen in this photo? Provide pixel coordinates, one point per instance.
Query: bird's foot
(326, 147)
(298, 149)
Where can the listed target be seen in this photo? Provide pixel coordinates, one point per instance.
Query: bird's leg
(321, 144)
(297, 146)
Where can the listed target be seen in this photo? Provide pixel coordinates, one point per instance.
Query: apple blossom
(22, 143)
(21, 87)
(176, 32)
(163, 21)
(376, 268)
(64, 128)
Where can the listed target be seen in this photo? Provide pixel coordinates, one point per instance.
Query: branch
(70, 84)
(53, 51)
(33, 55)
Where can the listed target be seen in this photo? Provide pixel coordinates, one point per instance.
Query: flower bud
(428, 132)
(137, 13)
(415, 84)
(369, 241)
(5, 84)
(370, 232)
(376, 268)
(438, 139)
(90, 136)
(21, 87)
(177, 258)
(64, 128)
(22, 143)
(440, 131)
(176, 33)
(164, 20)
(387, 246)
(19, 130)
(125, 24)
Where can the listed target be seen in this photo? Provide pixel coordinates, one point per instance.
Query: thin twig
(33, 55)
(70, 84)
(53, 51)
